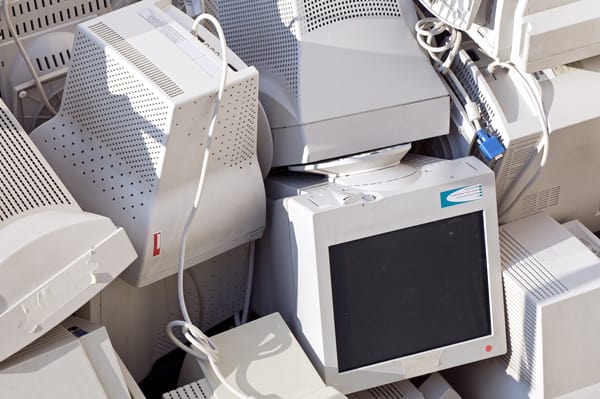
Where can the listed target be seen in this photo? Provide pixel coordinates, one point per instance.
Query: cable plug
(491, 148)
(472, 111)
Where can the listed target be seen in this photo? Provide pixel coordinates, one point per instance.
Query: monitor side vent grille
(521, 321)
(539, 201)
(214, 293)
(319, 13)
(262, 33)
(134, 56)
(516, 155)
(26, 183)
(525, 268)
(465, 71)
(30, 16)
(58, 333)
(51, 62)
(110, 131)
(162, 343)
(388, 391)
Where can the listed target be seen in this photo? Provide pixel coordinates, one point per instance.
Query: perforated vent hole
(25, 181)
(195, 390)
(318, 13)
(118, 155)
(237, 122)
(262, 34)
(29, 16)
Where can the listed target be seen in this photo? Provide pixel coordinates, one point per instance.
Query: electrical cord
(201, 347)
(428, 30)
(34, 75)
(194, 7)
(542, 146)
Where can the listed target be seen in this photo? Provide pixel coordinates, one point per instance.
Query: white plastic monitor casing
(130, 134)
(574, 120)
(293, 271)
(488, 379)
(436, 387)
(457, 13)
(53, 256)
(396, 390)
(214, 291)
(336, 78)
(72, 361)
(537, 34)
(552, 288)
(46, 30)
(262, 359)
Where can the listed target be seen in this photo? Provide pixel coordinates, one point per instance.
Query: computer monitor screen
(443, 296)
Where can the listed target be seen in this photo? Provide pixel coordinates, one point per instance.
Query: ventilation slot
(29, 16)
(319, 13)
(137, 59)
(57, 334)
(389, 391)
(52, 62)
(521, 315)
(513, 161)
(527, 270)
(536, 202)
(262, 34)
(465, 74)
(196, 390)
(25, 182)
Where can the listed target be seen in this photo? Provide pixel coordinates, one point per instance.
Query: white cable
(428, 30)
(34, 75)
(201, 347)
(542, 145)
(441, 54)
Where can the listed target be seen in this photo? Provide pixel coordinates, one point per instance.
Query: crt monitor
(385, 275)
(337, 77)
(131, 130)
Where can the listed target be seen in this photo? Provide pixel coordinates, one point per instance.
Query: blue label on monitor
(461, 195)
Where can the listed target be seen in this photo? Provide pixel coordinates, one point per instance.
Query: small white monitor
(130, 135)
(337, 77)
(385, 275)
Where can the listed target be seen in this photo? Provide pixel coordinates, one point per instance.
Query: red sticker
(156, 250)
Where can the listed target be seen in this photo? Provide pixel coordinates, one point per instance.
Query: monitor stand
(358, 163)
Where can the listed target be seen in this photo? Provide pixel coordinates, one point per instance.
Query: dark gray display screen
(410, 290)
